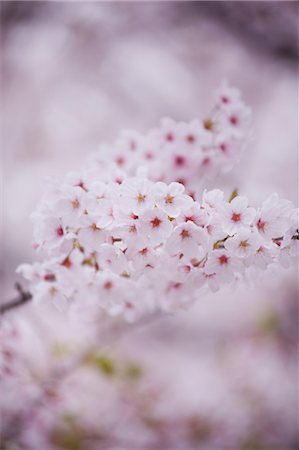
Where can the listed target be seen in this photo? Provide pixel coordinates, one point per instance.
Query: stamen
(75, 203)
(244, 244)
(169, 199)
(236, 217)
(185, 234)
(141, 198)
(180, 161)
(59, 231)
(190, 138)
(261, 225)
(108, 285)
(223, 259)
(156, 222)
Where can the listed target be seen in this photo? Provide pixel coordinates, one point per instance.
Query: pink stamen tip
(59, 231)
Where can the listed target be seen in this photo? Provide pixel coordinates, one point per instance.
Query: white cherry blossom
(155, 225)
(244, 243)
(223, 264)
(273, 218)
(171, 198)
(237, 214)
(137, 195)
(187, 239)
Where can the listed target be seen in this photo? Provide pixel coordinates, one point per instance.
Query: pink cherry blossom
(237, 215)
(171, 199)
(188, 239)
(223, 264)
(155, 225)
(244, 243)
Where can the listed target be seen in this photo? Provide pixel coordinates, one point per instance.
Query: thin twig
(22, 298)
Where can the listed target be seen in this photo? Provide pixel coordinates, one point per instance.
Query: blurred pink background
(73, 75)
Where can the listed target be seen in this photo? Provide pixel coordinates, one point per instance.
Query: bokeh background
(73, 74)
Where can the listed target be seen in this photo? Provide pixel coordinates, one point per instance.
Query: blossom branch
(21, 299)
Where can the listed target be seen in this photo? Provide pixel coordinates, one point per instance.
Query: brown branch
(22, 298)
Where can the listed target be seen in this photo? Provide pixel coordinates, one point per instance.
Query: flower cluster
(134, 246)
(185, 151)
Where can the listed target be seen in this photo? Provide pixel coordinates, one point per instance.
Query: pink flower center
(236, 217)
(223, 147)
(149, 155)
(185, 234)
(49, 277)
(261, 225)
(59, 231)
(108, 285)
(180, 161)
(169, 137)
(223, 259)
(224, 99)
(234, 120)
(206, 161)
(190, 138)
(120, 160)
(156, 222)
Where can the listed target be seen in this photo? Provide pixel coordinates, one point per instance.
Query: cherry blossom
(185, 152)
(273, 218)
(224, 264)
(171, 199)
(155, 225)
(189, 240)
(152, 254)
(134, 231)
(237, 214)
(244, 243)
